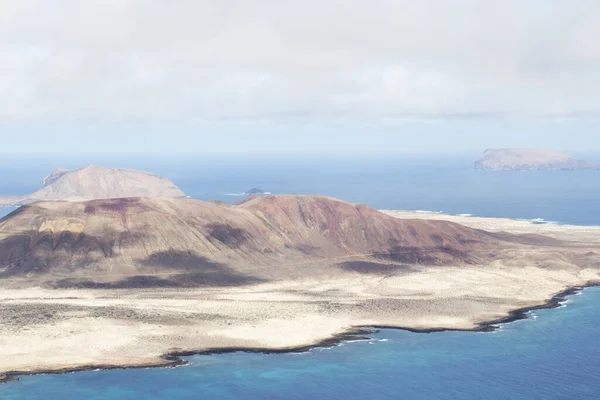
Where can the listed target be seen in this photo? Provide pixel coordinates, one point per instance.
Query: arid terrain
(124, 282)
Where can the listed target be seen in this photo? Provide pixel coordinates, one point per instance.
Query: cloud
(118, 60)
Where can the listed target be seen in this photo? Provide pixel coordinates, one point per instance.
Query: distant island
(255, 191)
(249, 193)
(92, 183)
(530, 160)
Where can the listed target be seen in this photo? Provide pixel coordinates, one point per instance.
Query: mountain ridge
(126, 242)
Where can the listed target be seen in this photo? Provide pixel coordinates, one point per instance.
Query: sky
(282, 76)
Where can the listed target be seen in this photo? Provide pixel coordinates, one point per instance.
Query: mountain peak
(96, 182)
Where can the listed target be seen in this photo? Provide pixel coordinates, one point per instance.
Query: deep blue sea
(555, 354)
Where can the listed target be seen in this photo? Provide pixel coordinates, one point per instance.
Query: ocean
(554, 354)
(403, 182)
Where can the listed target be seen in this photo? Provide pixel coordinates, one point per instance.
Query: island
(530, 160)
(134, 282)
(256, 192)
(93, 182)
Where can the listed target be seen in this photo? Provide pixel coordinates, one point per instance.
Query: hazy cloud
(229, 59)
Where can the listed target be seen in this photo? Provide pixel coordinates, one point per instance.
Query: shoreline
(554, 229)
(174, 359)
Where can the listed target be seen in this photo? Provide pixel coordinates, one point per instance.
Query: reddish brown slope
(187, 242)
(330, 226)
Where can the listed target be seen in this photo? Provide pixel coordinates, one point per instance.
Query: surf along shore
(64, 330)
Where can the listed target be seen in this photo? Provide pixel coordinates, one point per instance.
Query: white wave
(245, 194)
(543, 221)
(531, 314)
(465, 215)
(428, 212)
(303, 353)
(356, 340)
(540, 221)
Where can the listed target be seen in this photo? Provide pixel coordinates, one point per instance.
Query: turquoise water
(554, 355)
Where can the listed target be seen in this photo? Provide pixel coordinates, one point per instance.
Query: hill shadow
(189, 270)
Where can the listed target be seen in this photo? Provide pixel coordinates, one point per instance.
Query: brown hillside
(181, 242)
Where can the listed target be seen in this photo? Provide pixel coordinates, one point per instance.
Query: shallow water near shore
(552, 355)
